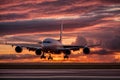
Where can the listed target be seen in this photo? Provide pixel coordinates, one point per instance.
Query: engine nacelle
(86, 50)
(18, 49)
(67, 52)
(38, 52)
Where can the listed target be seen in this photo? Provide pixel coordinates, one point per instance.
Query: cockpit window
(46, 42)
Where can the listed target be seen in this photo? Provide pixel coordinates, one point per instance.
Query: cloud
(113, 43)
(12, 16)
(44, 25)
(16, 56)
(109, 40)
(22, 38)
(28, 26)
(80, 40)
(110, 1)
(96, 57)
(96, 20)
(47, 8)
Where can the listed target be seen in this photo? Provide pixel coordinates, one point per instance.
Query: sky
(90, 21)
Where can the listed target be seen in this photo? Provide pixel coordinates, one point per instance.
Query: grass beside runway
(60, 66)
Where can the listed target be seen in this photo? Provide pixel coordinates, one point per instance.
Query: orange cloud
(38, 19)
(46, 9)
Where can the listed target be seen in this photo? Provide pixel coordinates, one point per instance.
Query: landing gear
(50, 57)
(66, 57)
(43, 56)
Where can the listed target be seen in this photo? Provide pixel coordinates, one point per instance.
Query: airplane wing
(77, 47)
(28, 46)
(72, 47)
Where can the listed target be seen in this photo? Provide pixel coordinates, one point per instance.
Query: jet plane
(51, 46)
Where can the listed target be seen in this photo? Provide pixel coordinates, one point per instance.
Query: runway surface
(56, 74)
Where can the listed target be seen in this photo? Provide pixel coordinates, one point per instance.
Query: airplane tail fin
(61, 29)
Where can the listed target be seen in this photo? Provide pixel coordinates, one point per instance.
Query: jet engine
(38, 52)
(67, 52)
(86, 50)
(18, 49)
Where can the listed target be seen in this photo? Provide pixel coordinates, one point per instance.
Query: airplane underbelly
(52, 49)
(49, 48)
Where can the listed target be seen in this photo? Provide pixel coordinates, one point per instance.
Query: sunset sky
(84, 20)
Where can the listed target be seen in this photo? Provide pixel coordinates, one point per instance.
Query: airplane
(51, 46)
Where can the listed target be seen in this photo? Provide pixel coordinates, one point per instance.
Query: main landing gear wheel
(66, 57)
(50, 57)
(43, 56)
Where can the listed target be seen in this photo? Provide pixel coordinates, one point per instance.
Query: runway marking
(114, 77)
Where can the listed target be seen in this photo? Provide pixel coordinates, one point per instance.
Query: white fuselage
(50, 44)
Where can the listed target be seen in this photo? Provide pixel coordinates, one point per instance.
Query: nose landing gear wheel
(66, 57)
(43, 57)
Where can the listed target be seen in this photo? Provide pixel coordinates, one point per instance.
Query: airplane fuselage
(51, 45)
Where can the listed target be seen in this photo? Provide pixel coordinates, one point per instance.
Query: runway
(56, 74)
